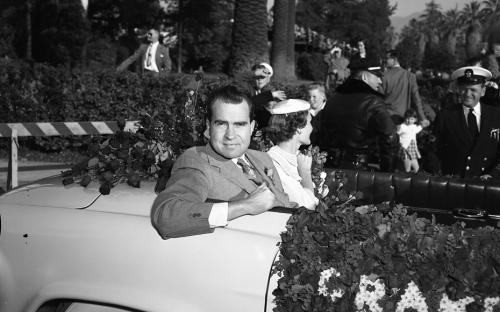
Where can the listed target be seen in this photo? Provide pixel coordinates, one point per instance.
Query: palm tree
(491, 14)
(249, 35)
(472, 20)
(432, 18)
(452, 25)
(283, 46)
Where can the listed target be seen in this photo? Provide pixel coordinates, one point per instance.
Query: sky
(407, 7)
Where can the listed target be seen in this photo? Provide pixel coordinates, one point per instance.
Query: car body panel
(110, 253)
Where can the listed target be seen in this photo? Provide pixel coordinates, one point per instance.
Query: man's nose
(230, 131)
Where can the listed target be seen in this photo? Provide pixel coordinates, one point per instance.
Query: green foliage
(311, 66)
(383, 243)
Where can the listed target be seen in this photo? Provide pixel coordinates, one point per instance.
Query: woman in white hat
(290, 127)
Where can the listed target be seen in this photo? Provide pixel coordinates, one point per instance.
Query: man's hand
(259, 201)
(425, 123)
(279, 95)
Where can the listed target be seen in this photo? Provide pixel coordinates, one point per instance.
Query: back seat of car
(450, 199)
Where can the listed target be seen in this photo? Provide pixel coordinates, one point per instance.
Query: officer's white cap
(471, 75)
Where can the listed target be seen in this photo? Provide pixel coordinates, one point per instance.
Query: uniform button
(467, 168)
(468, 157)
(485, 158)
(482, 169)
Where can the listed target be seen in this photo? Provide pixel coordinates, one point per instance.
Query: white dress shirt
(151, 53)
(477, 114)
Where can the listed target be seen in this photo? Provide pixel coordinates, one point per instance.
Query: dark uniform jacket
(459, 154)
(354, 119)
(260, 100)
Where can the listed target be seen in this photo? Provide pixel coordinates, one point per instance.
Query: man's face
(152, 36)
(316, 98)
(230, 129)
(496, 49)
(373, 81)
(470, 94)
(261, 78)
(305, 133)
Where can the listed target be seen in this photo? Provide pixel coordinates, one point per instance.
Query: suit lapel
(228, 169)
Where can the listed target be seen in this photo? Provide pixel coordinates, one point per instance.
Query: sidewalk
(29, 171)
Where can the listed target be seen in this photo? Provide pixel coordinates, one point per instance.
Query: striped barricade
(15, 130)
(64, 128)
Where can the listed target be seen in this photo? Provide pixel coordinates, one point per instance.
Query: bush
(311, 66)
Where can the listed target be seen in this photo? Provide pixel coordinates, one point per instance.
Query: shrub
(311, 66)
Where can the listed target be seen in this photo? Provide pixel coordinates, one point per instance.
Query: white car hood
(51, 192)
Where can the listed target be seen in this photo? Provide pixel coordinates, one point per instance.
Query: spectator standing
(260, 93)
(338, 70)
(493, 59)
(154, 57)
(400, 89)
(468, 134)
(356, 118)
(317, 100)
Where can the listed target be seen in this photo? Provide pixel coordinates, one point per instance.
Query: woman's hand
(304, 163)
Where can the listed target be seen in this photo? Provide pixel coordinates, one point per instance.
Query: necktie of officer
(249, 172)
(472, 123)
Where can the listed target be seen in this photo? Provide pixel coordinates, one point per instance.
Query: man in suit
(261, 95)
(154, 56)
(221, 181)
(468, 133)
(400, 88)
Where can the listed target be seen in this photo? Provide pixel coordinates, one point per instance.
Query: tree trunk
(422, 42)
(29, 34)
(179, 38)
(451, 43)
(290, 49)
(249, 35)
(279, 48)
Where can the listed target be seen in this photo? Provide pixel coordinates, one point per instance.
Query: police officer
(468, 133)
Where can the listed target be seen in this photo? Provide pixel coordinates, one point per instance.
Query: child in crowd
(407, 132)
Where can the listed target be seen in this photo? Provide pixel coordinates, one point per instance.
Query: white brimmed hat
(471, 75)
(289, 106)
(268, 67)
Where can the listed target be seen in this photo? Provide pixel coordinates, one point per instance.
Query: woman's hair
(282, 127)
(411, 113)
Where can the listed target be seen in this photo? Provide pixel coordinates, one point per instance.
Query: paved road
(30, 171)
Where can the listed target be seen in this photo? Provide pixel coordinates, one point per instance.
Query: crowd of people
(371, 121)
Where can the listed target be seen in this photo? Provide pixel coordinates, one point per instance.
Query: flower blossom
(490, 303)
(448, 305)
(323, 279)
(412, 298)
(369, 297)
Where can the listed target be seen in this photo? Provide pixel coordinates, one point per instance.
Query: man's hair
(316, 86)
(228, 94)
(282, 127)
(393, 54)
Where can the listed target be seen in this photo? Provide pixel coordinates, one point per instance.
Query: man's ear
(483, 90)
(252, 125)
(364, 77)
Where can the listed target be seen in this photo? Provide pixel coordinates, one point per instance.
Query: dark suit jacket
(162, 58)
(459, 154)
(201, 177)
(400, 89)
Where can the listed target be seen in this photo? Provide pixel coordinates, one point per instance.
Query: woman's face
(305, 133)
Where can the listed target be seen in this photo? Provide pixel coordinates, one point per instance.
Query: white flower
(323, 279)
(371, 296)
(490, 303)
(447, 305)
(412, 298)
(322, 175)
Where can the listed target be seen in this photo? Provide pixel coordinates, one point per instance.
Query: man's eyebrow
(241, 123)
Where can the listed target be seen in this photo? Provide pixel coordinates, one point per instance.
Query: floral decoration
(344, 257)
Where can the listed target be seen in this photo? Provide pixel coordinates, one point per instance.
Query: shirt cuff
(218, 215)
